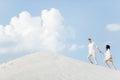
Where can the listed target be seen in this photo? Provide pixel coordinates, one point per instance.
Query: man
(108, 57)
(92, 51)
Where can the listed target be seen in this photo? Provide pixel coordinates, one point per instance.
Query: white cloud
(31, 33)
(113, 27)
(75, 47)
(71, 32)
(81, 46)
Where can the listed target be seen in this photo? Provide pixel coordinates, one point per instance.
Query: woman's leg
(113, 63)
(106, 63)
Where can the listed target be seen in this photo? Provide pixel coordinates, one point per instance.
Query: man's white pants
(93, 54)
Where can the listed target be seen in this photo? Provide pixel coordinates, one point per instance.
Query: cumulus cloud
(32, 33)
(113, 27)
(75, 47)
(72, 33)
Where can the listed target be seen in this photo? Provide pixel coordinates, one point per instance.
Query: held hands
(101, 52)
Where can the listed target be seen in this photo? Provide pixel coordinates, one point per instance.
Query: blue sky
(87, 18)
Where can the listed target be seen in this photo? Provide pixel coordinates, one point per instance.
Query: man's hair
(107, 47)
(89, 39)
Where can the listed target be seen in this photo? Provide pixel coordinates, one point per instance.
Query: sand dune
(52, 66)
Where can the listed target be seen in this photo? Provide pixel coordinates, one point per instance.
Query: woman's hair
(107, 47)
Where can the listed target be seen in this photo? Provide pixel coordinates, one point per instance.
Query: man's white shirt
(92, 47)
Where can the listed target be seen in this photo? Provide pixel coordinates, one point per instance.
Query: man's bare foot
(96, 64)
(91, 62)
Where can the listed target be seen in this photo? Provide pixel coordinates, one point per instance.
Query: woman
(108, 57)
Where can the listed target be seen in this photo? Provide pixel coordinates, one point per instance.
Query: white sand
(50, 66)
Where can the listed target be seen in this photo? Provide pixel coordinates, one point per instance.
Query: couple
(92, 52)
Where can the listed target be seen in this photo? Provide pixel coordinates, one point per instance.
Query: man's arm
(98, 48)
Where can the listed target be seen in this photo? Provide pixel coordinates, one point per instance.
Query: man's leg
(95, 59)
(89, 58)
